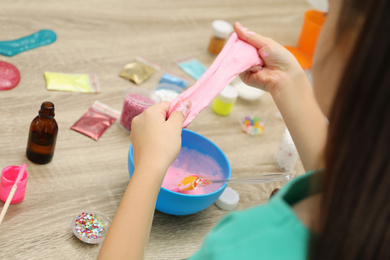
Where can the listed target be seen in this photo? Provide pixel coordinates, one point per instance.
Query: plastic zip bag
(86, 83)
(96, 120)
(139, 70)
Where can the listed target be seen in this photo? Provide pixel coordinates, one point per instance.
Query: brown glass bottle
(43, 135)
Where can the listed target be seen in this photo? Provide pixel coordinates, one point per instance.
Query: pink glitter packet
(136, 101)
(96, 120)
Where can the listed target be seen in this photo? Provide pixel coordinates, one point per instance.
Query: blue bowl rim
(190, 195)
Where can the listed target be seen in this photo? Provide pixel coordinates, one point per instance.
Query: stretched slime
(236, 57)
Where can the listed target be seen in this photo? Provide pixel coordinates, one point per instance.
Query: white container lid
(228, 199)
(228, 95)
(222, 29)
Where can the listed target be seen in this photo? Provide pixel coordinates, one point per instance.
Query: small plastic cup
(136, 101)
(312, 25)
(8, 178)
(311, 28)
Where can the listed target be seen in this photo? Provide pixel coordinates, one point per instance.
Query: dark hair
(355, 208)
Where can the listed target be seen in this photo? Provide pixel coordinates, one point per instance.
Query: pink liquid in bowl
(192, 162)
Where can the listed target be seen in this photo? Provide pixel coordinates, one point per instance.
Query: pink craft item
(9, 76)
(8, 178)
(136, 101)
(237, 56)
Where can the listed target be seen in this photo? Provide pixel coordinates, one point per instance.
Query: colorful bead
(252, 126)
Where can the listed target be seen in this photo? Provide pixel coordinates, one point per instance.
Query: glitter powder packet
(96, 120)
(173, 79)
(139, 70)
(86, 83)
(192, 67)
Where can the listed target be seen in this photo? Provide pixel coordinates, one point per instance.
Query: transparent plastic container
(221, 31)
(224, 102)
(90, 226)
(137, 100)
(167, 92)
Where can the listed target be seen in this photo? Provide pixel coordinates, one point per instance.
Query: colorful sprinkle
(252, 126)
(88, 226)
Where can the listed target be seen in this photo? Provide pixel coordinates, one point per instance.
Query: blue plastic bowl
(174, 203)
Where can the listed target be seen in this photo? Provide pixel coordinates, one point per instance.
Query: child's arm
(156, 143)
(286, 81)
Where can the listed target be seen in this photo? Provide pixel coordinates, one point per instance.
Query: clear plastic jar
(224, 102)
(221, 31)
(136, 101)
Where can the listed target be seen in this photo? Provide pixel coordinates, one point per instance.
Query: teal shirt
(271, 231)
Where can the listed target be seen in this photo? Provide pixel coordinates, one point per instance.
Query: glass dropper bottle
(42, 135)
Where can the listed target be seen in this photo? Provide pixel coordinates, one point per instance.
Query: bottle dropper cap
(228, 199)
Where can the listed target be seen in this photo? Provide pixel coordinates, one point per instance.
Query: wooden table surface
(101, 37)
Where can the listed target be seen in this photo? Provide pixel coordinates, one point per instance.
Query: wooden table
(101, 37)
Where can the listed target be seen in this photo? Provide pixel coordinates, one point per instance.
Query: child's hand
(280, 66)
(157, 140)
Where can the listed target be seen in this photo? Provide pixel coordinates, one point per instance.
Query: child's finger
(180, 112)
(250, 37)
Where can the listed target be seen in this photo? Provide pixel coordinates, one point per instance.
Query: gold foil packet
(139, 70)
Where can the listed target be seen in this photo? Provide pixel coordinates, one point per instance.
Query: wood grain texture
(101, 37)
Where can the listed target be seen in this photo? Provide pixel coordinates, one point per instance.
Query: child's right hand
(280, 66)
(157, 140)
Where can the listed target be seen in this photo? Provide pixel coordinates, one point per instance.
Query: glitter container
(136, 101)
(221, 31)
(90, 226)
(287, 155)
(224, 102)
(167, 92)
